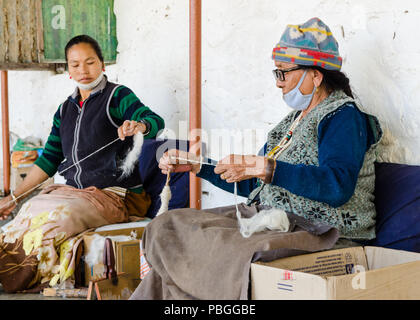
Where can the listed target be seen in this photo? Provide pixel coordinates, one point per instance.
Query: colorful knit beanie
(310, 44)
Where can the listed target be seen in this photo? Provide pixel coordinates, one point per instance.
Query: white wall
(377, 38)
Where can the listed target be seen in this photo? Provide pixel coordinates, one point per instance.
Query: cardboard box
(127, 257)
(365, 273)
(127, 254)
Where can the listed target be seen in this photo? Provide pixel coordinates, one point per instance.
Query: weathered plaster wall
(377, 41)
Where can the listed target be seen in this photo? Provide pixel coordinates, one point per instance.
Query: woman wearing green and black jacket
(97, 113)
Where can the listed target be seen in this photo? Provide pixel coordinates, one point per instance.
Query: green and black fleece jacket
(77, 132)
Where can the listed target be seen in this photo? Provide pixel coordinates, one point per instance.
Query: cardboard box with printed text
(352, 273)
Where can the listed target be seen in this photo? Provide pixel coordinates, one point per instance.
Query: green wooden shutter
(64, 19)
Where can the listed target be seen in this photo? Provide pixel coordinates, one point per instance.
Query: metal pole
(5, 131)
(195, 96)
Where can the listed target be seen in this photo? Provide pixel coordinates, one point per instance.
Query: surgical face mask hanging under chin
(295, 99)
(90, 86)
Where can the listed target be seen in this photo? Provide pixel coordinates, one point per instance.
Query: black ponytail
(334, 80)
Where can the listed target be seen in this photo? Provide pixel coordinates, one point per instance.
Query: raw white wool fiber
(96, 248)
(165, 197)
(133, 155)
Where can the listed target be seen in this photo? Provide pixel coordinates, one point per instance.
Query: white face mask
(91, 85)
(295, 99)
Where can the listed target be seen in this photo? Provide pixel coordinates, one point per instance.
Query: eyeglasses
(279, 74)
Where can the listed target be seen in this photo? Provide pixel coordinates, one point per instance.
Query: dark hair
(85, 39)
(334, 80)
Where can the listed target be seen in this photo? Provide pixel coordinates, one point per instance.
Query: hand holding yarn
(179, 161)
(175, 161)
(130, 128)
(235, 168)
(6, 207)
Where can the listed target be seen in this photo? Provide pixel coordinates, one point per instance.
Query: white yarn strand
(127, 166)
(59, 173)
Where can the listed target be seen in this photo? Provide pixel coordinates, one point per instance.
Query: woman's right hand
(34, 178)
(6, 207)
(170, 162)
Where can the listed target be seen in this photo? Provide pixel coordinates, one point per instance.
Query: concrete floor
(29, 296)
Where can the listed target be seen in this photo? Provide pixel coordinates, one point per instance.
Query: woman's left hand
(130, 128)
(235, 168)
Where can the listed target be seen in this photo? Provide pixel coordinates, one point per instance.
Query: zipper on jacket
(75, 158)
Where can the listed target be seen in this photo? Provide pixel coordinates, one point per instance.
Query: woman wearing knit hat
(326, 170)
(318, 165)
(322, 154)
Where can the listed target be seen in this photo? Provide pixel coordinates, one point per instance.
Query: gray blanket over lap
(200, 254)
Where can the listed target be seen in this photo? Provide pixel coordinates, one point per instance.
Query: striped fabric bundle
(122, 192)
(144, 266)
